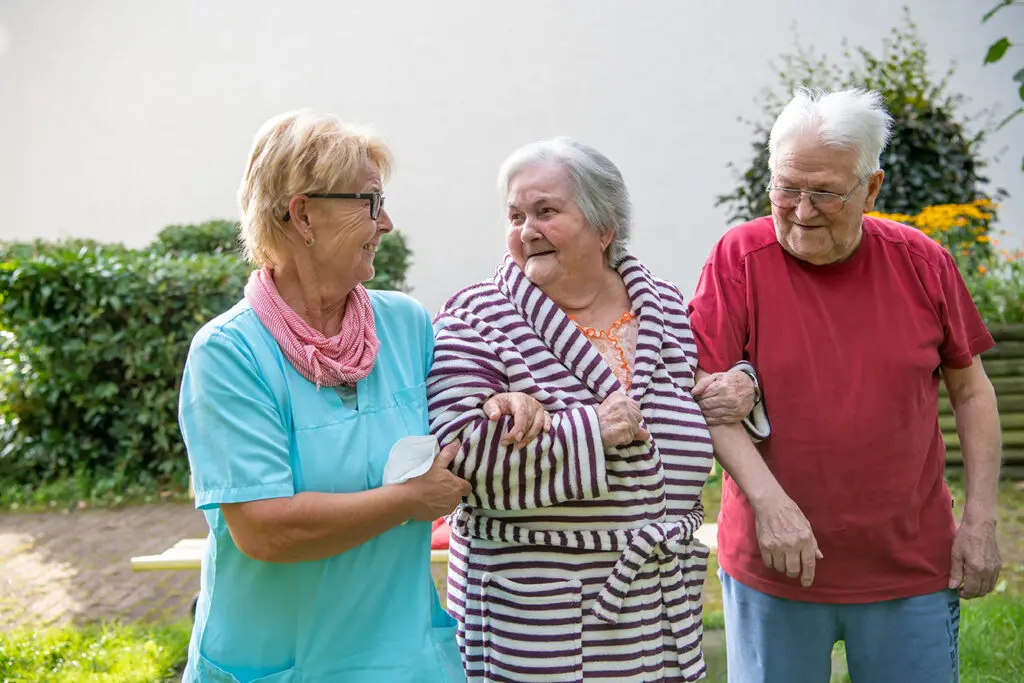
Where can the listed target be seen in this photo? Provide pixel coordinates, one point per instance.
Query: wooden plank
(1011, 456)
(1011, 438)
(1008, 403)
(1007, 332)
(1008, 384)
(947, 422)
(1010, 472)
(1005, 349)
(1003, 384)
(998, 367)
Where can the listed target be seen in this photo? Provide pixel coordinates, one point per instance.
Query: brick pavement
(74, 567)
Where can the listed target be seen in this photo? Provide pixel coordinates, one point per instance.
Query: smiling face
(346, 237)
(548, 236)
(804, 231)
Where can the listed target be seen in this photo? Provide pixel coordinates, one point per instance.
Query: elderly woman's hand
(437, 491)
(725, 397)
(528, 416)
(621, 421)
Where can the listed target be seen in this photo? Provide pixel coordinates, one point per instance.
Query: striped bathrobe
(569, 560)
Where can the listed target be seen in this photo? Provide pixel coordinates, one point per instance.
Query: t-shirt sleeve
(235, 437)
(964, 334)
(718, 316)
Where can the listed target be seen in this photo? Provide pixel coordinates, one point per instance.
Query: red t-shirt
(848, 358)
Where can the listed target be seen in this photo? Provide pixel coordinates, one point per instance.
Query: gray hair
(600, 192)
(852, 119)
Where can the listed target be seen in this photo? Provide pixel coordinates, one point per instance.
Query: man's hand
(528, 416)
(725, 397)
(785, 538)
(976, 561)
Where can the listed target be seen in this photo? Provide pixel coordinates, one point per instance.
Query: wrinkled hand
(976, 561)
(725, 397)
(621, 421)
(437, 491)
(786, 541)
(528, 416)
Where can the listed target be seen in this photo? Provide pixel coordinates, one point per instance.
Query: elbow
(259, 546)
(980, 393)
(254, 532)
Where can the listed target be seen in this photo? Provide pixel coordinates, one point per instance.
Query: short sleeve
(237, 444)
(964, 334)
(718, 317)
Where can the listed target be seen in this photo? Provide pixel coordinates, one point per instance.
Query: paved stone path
(74, 567)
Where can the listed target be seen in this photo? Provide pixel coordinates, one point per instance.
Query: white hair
(852, 119)
(599, 190)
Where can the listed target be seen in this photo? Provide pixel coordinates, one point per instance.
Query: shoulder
(669, 294)
(472, 304)
(391, 304)
(234, 328)
(234, 343)
(892, 235)
(744, 241)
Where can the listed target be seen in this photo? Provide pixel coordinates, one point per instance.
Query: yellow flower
(982, 238)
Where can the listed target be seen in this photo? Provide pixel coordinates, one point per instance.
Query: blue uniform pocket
(208, 672)
(412, 405)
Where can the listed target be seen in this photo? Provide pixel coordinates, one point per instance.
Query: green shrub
(211, 237)
(932, 159)
(94, 341)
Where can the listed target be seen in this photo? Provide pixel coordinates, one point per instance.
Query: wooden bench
(188, 553)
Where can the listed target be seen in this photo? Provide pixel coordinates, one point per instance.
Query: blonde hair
(297, 153)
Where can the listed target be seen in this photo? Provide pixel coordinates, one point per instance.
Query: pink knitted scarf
(343, 359)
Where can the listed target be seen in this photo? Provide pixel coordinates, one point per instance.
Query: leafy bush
(93, 340)
(932, 158)
(212, 237)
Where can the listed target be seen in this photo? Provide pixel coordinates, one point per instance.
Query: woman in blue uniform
(291, 404)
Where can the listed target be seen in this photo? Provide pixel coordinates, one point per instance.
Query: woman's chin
(537, 273)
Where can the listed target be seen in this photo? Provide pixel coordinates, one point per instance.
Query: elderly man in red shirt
(839, 526)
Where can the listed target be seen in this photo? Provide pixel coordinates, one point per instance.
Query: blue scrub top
(255, 428)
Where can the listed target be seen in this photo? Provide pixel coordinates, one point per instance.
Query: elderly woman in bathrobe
(574, 556)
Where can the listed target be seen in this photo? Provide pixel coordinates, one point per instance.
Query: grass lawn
(110, 653)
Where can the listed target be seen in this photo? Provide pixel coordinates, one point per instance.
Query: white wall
(118, 117)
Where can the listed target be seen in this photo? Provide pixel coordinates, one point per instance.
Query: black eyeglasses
(376, 201)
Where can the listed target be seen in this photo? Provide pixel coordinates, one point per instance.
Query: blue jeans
(773, 640)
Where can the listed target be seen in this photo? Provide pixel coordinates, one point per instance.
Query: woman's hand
(621, 421)
(528, 416)
(437, 491)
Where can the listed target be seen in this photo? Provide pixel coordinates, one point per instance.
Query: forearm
(313, 526)
(977, 424)
(567, 463)
(741, 459)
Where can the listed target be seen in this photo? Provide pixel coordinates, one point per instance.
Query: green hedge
(93, 339)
